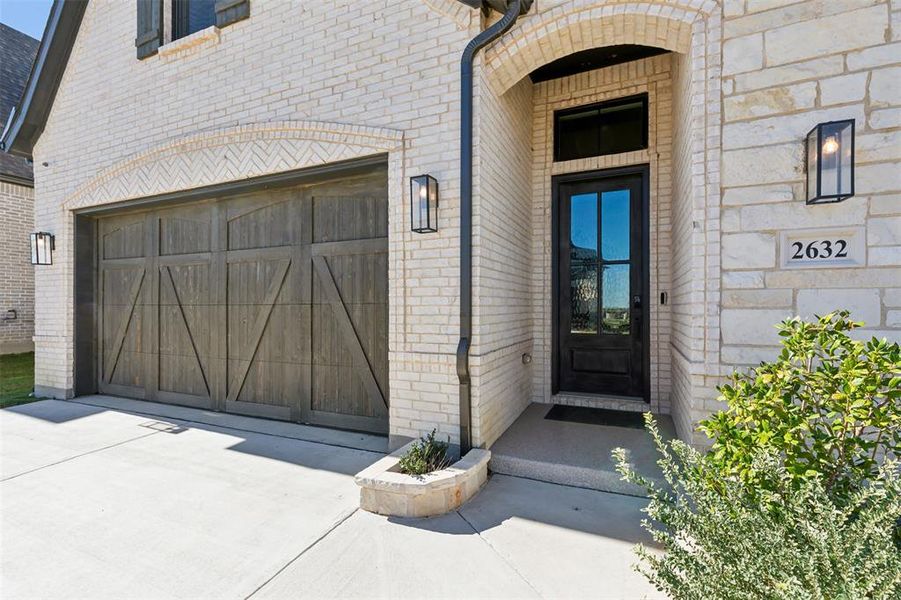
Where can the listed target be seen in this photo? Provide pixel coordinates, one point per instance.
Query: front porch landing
(575, 454)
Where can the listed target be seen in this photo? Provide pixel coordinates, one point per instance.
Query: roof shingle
(17, 52)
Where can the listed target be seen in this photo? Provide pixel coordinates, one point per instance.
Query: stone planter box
(386, 491)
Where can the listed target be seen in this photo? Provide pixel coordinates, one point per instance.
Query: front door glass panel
(583, 251)
(615, 255)
(615, 310)
(615, 225)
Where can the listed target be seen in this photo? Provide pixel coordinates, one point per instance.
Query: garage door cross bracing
(270, 304)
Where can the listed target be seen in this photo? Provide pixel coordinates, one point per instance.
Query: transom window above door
(609, 127)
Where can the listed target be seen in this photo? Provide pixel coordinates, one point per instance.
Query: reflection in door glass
(583, 227)
(583, 281)
(615, 225)
(615, 299)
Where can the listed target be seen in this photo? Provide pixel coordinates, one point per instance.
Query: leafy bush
(786, 539)
(829, 407)
(425, 455)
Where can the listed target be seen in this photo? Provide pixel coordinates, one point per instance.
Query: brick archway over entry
(692, 30)
(576, 25)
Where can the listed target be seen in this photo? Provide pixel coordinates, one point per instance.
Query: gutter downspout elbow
(513, 10)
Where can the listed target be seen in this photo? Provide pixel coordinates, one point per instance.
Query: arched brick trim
(232, 154)
(454, 10)
(693, 29)
(582, 24)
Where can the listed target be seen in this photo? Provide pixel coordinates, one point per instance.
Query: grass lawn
(16, 379)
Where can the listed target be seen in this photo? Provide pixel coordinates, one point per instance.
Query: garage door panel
(123, 237)
(265, 222)
(285, 338)
(185, 318)
(344, 377)
(123, 343)
(343, 217)
(269, 303)
(263, 335)
(185, 231)
(338, 389)
(363, 288)
(274, 383)
(182, 374)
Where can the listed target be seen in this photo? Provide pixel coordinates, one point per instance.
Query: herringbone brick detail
(232, 154)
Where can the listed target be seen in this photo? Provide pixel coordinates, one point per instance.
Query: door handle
(636, 301)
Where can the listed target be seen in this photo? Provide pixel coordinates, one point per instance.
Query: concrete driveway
(110, 498)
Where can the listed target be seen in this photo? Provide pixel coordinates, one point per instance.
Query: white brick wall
(302, 83)
(16, 272)
(248, 102)
(502, 259)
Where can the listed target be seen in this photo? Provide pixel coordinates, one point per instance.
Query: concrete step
(550, 472)
(575, 454)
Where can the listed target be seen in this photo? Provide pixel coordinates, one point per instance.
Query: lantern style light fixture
(424, 204)
(830, 162)
(42, 246)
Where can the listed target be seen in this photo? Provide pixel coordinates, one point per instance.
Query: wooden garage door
(271, 304)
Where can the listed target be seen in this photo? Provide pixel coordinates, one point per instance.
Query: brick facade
(17, 275)
(305, 83)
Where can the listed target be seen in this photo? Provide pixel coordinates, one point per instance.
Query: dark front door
(600, 254)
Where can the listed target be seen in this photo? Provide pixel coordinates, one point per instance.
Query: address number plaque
(831, 247)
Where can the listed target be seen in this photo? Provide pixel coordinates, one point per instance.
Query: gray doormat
(595, 416)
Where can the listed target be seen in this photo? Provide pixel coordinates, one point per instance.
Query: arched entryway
(517, 216)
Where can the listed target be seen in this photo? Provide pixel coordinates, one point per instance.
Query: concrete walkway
(101, 502)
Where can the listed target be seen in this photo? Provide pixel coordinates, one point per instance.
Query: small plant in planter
(425, 456)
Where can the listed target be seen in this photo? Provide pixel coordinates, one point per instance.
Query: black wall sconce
(42, 247)
(424, 204)
(830, 162)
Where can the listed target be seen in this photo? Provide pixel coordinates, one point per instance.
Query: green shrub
(829, 407)
(425, 455)
(786, 539)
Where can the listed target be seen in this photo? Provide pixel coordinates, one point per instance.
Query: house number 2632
(819, 249)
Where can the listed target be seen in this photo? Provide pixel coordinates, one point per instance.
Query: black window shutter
(150, 27)
(231, 11)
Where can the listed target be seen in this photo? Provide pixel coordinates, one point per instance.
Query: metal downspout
(472, 48)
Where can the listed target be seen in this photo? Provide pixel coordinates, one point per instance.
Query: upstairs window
(606, 128)
(190, 16)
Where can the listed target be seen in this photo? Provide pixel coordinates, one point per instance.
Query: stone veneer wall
(787, 67)
(652, 76)
(16, 271)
